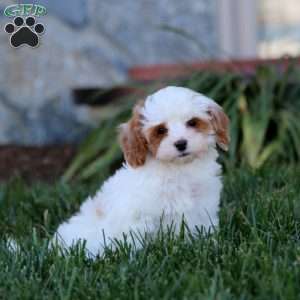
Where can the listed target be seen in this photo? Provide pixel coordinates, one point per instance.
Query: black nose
(181, 145)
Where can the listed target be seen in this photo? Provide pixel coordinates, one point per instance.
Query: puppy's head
(175, 125)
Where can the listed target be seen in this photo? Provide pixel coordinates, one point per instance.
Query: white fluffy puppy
(170, 171)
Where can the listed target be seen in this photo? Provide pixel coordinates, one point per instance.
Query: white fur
(135, 199)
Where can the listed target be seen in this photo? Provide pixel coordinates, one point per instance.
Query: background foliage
(264, 109)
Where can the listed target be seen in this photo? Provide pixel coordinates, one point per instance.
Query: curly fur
(158, 178)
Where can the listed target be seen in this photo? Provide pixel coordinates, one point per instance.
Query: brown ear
(132, 140)
(220, 124)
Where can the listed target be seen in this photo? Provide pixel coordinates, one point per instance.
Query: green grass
(255, 255)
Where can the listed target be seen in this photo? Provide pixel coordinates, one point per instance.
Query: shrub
(264, 109)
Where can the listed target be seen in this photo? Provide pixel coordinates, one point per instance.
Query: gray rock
(74, 12)
(33, 78)
(159, 31)
(55, 122)
(91, 43)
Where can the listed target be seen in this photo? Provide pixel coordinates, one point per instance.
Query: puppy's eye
(161, 130)
(192, 122)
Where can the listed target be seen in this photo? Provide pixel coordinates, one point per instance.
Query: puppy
(170, 174)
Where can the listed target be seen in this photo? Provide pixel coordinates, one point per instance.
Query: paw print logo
(24, 32)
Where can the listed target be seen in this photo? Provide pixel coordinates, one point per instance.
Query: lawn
(256, 253)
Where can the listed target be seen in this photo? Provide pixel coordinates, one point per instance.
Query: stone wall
(91, 43)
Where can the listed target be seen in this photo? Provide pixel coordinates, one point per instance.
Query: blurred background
(95, 51)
